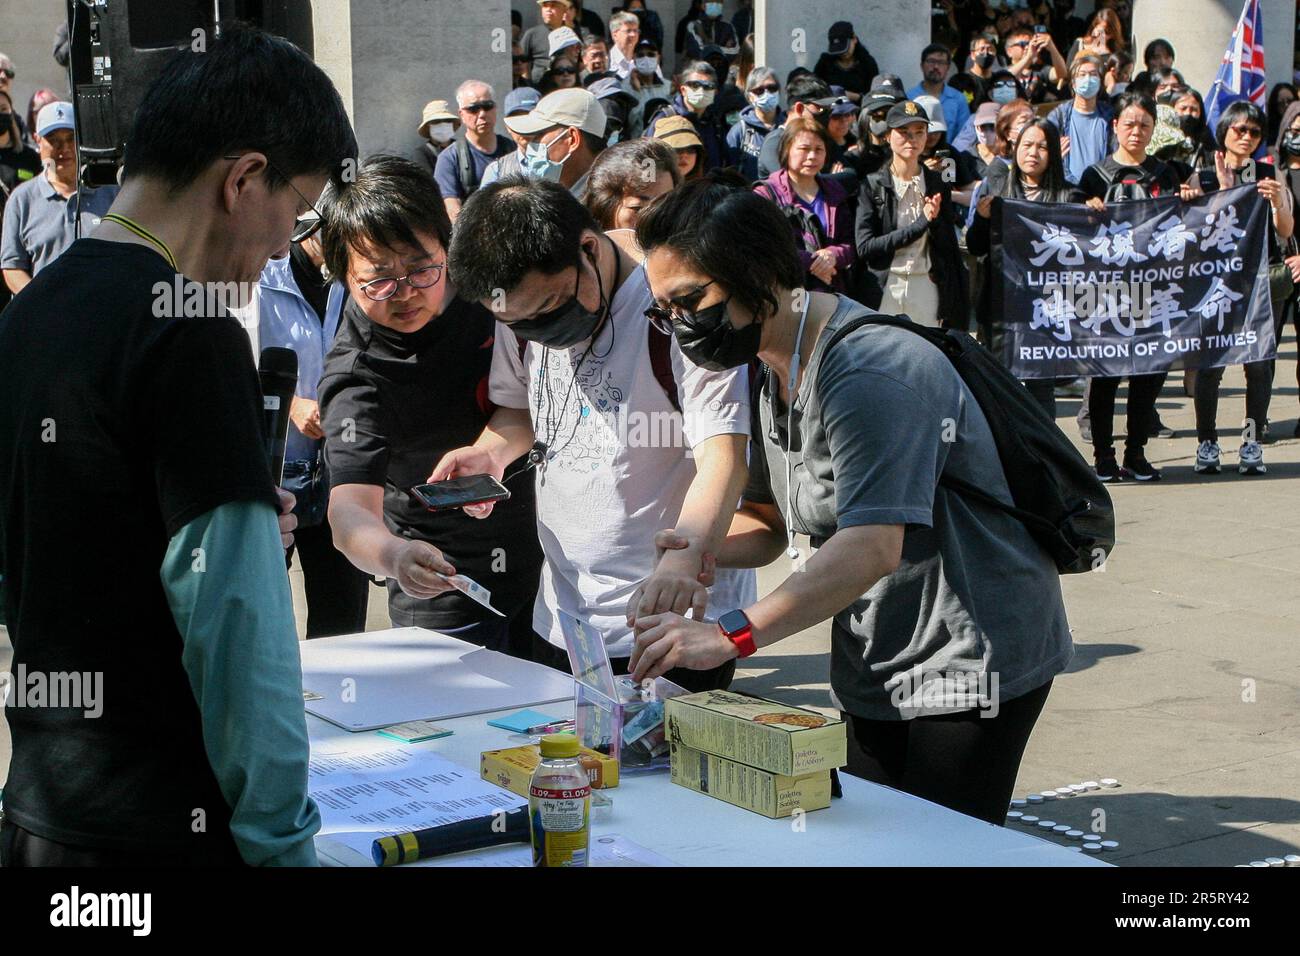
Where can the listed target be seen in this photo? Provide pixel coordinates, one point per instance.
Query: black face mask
(984, 60)
(568, 324)
(6, 119)
(1189, 123)
(709, 339)
(878, 128)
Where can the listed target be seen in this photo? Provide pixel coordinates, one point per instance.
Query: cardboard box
(760, 733)
(773, 795)
(513, 767)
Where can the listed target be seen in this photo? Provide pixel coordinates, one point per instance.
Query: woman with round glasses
(406, 382)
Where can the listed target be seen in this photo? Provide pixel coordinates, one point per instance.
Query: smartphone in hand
(459, 492)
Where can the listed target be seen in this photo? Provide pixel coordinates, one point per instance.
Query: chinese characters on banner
(1141, 287)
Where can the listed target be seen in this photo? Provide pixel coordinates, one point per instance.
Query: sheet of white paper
(363, 796)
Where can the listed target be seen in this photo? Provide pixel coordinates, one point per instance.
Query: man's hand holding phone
(462, 462)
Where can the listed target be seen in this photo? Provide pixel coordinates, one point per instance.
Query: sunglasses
(767, 88)
(385, 287)
(564, 71)
(7, 74)
(1252, 131)
(700, 85)
(679, 308)
(481, 107)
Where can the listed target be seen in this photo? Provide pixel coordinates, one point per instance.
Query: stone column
(390, 57)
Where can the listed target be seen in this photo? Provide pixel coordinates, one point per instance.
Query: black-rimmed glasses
(306, 225)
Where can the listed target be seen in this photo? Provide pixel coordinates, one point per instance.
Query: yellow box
(773, 795)
(513, 767)
(766, 734)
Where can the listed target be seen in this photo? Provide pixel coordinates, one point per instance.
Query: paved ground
(1186, 680)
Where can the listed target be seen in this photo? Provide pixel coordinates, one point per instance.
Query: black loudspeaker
(117, 47)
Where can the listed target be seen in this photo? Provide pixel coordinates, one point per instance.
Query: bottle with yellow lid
(559, 804)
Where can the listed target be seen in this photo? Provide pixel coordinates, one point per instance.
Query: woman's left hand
(670, 640)
(1271, 190)
(1190, 191)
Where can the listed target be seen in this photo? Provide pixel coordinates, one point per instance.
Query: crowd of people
(639, 246)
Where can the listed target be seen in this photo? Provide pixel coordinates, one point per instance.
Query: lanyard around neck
(139, 230)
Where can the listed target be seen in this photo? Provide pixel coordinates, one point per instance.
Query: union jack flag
(1241, 74)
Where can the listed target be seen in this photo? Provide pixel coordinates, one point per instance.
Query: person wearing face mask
(565, 133)
(41, 216)
(695, 102)
(646, 82)
(518, 102)
(872, 148)
(906, 232)
(983, 61)
(853, 427)
(846, 63)
(438, 125)
(760, 117)
(1084, 121)
(708, 29)
(577, 369)
(160, 427)
(404, 383)
(984, 150)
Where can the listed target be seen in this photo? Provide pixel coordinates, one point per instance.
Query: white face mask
(441, 132)
(699, 99)
(646, 65)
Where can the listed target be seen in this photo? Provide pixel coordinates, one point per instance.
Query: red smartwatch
(736, 627)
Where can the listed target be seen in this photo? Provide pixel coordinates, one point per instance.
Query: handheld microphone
(278, 371)
(452, 838)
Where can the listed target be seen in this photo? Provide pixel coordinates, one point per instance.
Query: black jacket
(878, 237)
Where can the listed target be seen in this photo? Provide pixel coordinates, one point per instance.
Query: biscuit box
(513, 767)
(771, 794)
(760, 733)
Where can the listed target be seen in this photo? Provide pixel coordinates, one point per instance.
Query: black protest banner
(1142, 287)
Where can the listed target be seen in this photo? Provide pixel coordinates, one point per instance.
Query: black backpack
(1128, 183)
(1057, 494)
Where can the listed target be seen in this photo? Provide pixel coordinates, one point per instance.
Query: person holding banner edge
(1240, 129)
(1037, 175)
(1134, 122)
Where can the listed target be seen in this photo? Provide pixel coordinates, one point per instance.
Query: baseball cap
(839, 35)
(879, 100)
(560, 38)
(841, 104)
(904, 114)
(610, 88)
(677, 132)
(524, 99)
(575, 107)
(54, 116)
(889, 82)
(437, 111)
(933, 110)
(567, 3)
(986, 114)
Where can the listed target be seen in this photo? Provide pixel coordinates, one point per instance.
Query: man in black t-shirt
(145, 575)
(406, 382)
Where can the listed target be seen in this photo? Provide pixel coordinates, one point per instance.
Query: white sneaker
(1252, 459)
(1207, 458)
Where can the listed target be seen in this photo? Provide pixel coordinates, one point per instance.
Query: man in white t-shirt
(627, 436)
